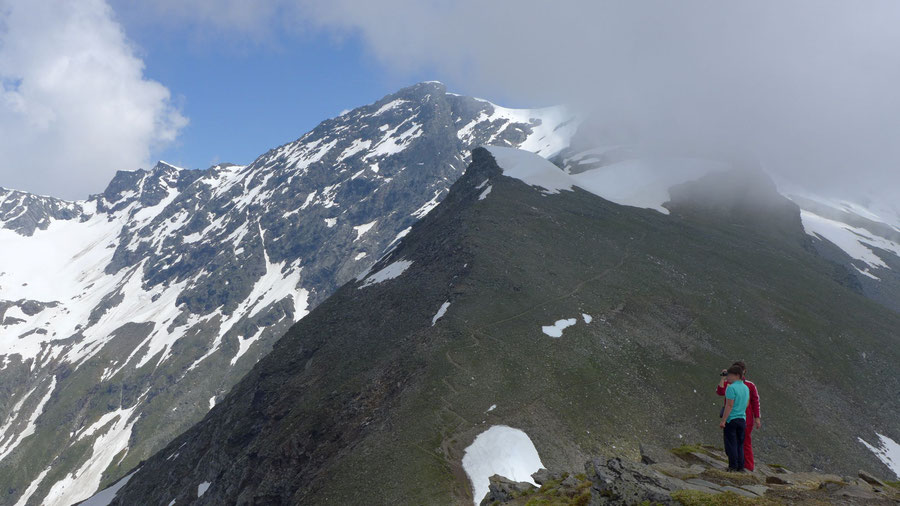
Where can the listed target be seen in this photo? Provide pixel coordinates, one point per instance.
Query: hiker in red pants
(754, 420)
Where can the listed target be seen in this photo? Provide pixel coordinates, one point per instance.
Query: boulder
(619, 482)
(503, 490)
(871, 480)
(541, 476)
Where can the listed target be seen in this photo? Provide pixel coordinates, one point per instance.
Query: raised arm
(720, 389)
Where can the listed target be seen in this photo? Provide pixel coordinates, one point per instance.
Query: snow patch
(638, 182)
(202, 488)
(556, 330)
(392, 271)
(32, 488)
(83, 482)
(887, 450)
(440, 313)
(362, 229)
(428, 206)
(105, 497)
(500, 450)
(485, 193)
(388, 106)
(587, 318)
(30, 425)
(858, 243)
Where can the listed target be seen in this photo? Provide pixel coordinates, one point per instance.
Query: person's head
(735, 373)
(743, 366)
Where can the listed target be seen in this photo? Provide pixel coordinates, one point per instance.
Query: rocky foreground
(689, 476)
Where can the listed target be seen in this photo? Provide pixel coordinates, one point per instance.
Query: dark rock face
(196, 273)
(504, 490)
(24, 213)
(617, 481)
(370, 379)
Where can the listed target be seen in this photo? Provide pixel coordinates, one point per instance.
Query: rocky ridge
(690, 476)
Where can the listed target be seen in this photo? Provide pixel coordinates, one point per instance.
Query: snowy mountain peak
(175, 276)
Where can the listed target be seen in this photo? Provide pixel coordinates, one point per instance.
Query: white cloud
(808, 86)
(74, 102)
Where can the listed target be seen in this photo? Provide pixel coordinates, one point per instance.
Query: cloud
(74, 103)
(809, 87)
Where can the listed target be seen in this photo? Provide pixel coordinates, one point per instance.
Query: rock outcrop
(688, 475)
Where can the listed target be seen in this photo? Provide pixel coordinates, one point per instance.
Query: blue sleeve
(730, 393)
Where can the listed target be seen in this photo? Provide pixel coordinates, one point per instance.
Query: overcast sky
(89, 87)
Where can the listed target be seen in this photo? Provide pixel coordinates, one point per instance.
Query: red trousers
(748, 445)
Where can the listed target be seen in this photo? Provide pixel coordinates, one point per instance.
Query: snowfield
(105, 497)
(859, 243)
(640, 182)
(500, 450)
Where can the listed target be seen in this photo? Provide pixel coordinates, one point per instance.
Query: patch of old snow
(390, 272)
(32, 488)
(202, 488)
(114, 432)
(639, 182)
(531, 169)
(485, 193)
(887, 450)
(856, 242)
(587, 318)
(388, 106)
(30, 426)
(362, 229)
(105, 497)
(440, 313)
(500, 450)
(428, 206)
(556, 330)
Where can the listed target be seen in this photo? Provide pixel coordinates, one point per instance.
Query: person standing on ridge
(737, 397)
(754, 419)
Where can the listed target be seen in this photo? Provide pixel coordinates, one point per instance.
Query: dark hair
(736, 370)
(742, 365)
